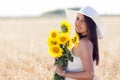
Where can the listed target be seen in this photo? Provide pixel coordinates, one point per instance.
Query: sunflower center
(54, 42)
(54, 35)
(68, 43)
(63, 39)
(56, 49)
(75, 39)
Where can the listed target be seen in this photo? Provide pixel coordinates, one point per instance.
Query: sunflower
(52, 41)
(65, 26)
(53, 34)
(55, 51)
(69, 44)
(63, 38)
(75, 39)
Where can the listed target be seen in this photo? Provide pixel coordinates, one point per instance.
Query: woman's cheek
(75, 24)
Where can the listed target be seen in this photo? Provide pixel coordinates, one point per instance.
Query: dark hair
(92, 36)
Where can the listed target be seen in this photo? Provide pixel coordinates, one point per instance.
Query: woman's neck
(83, 34)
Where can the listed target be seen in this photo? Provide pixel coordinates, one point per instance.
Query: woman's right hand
(59, 70)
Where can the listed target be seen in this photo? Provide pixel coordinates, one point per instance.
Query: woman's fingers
(58, 69)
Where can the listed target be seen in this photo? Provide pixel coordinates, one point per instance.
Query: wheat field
(24, 52)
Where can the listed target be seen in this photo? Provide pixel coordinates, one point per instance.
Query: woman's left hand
(59, 70)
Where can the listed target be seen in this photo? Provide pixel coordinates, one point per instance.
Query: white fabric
(90, 12)
(75, 66)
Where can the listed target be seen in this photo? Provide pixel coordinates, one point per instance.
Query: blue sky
(37, 7)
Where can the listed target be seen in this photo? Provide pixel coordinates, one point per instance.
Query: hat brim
(71, 16)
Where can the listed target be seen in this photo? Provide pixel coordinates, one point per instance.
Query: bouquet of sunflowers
(60, 43)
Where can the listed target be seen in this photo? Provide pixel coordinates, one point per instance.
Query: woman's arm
(80, 75)
(85, 53)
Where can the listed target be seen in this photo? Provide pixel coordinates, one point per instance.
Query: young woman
(89, 28)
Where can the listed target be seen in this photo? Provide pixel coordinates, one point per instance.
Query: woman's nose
(78, 23)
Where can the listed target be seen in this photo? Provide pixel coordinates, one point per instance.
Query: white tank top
(75, 66)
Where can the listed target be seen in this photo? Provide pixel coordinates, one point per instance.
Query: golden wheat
(24, 56)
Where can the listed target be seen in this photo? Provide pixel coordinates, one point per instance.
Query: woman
(89, 28)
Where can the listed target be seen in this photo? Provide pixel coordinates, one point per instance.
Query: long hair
(92, 36)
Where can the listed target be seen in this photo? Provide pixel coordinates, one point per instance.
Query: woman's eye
(77, 18)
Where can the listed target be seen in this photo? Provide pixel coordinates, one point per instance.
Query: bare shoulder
(85, 47)
(85, 54)
(85, 43)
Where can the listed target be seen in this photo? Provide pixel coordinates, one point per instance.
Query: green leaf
(57, 77)
(64, 28)
(61, 45)
(70, 57)
(66, 63)
(60, 62)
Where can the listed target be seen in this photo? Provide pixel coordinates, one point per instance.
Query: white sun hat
(90, 12)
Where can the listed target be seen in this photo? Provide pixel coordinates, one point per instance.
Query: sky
(13, 8)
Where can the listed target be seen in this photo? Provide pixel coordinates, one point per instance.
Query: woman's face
(80, 24)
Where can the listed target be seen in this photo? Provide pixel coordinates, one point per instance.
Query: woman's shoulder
(82, 44)
(85, 42)
(85, 46)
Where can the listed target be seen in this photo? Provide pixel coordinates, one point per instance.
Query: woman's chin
(78, 32)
